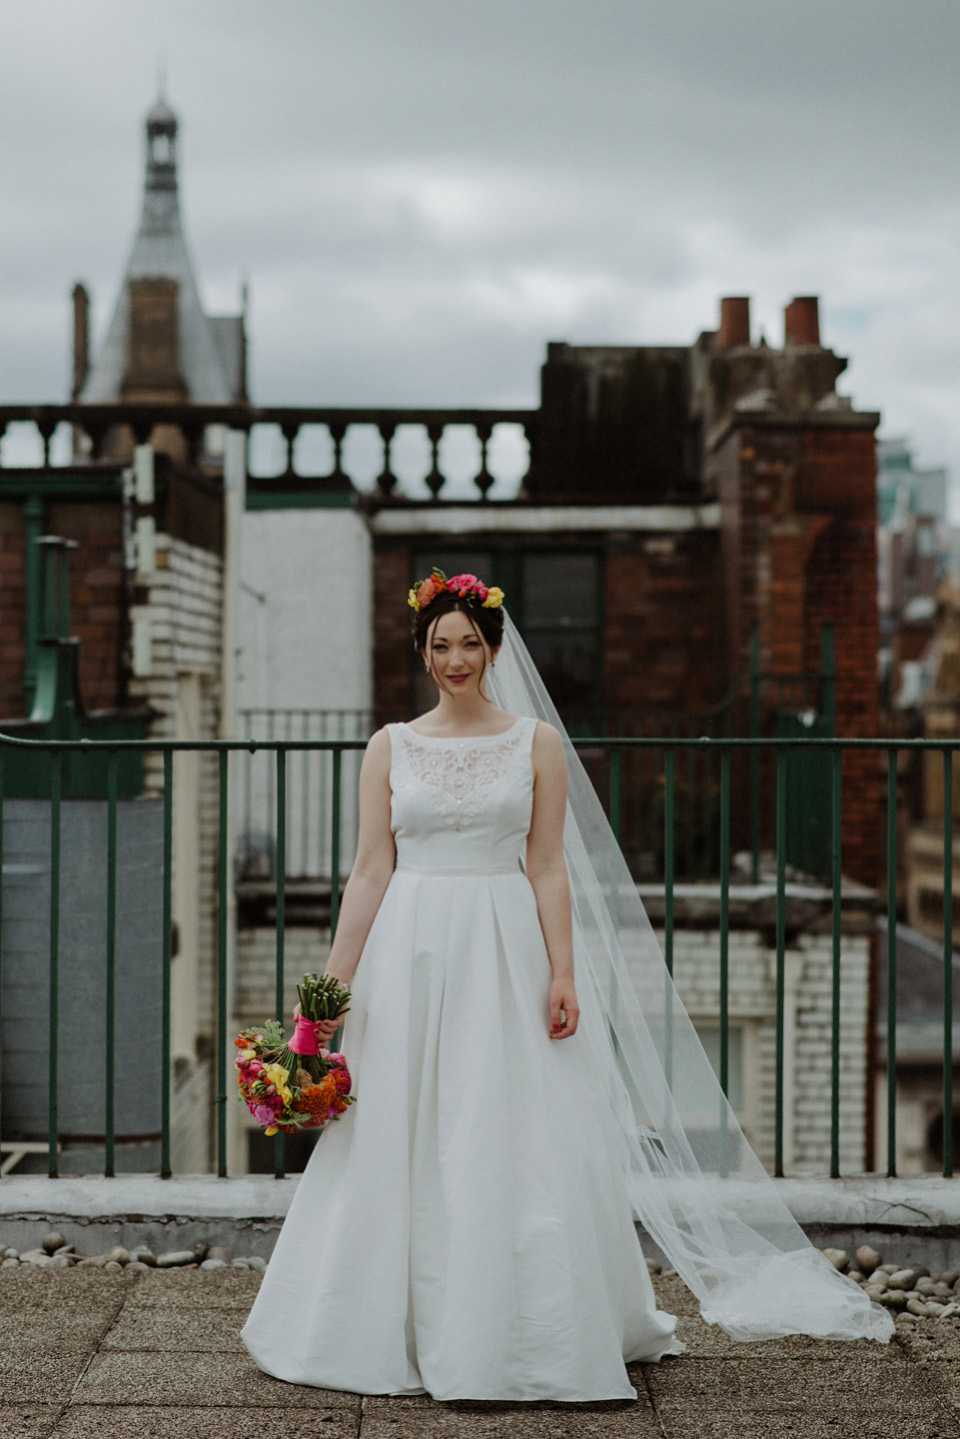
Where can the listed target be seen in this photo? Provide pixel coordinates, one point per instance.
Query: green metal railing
(725, 751)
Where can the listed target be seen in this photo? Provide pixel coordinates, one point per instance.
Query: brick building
(690, 513)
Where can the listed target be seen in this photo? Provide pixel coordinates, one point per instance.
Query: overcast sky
(422, 193)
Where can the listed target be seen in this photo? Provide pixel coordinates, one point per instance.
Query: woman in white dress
(465, 1228)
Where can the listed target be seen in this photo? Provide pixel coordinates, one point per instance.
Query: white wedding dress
(464, 1228)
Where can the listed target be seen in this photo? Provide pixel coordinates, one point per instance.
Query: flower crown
(465, 587)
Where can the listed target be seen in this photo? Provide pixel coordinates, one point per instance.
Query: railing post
(111, 955)
(220, 1078)
(165, 1170)
(669, 771)
(781, 954)
(1, 935)
(53, 1037)
(836, 800)
(947, 962)
(281, 854)
(891, 963)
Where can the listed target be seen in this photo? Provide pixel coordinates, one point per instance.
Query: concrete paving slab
(197, 1288)
(757, 1385)
(93, 1421)
(708, 1341)
(941, 1379)
(27, 1377)
(27, 1287)
(678, 1421)
(230, 1381)
(674, 1296)
(442, 1421)
(939, 1340)
(203, 1331)
(64, 1331)
(29, 1421)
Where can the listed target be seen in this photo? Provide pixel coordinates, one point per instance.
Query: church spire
(160, 202)
(160, 345)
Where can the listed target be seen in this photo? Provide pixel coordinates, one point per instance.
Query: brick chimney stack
(734, 322)
(801, 321)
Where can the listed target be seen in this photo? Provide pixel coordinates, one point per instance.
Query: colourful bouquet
(295, 1084)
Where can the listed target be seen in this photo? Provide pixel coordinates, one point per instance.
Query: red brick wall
(391, 634)
(663, 623)
(97, 600)
(799, 535)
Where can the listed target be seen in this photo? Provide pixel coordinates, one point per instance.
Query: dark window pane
(568, 667)
(560, 590)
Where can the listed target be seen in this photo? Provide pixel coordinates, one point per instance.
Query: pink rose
(262, 1113)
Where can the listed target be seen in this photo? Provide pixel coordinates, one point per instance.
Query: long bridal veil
(695, 1184)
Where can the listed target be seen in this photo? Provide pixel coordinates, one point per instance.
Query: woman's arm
(547, 873)
(371, 871)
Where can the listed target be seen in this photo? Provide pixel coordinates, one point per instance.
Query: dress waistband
(453, 871)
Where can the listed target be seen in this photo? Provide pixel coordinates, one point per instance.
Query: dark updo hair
(489, 622)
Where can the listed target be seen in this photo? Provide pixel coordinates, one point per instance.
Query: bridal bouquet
(295, 1084)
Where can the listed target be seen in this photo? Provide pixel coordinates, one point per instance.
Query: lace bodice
(461, 804)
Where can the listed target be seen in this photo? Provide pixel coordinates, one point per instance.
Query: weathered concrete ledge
(914, 1219)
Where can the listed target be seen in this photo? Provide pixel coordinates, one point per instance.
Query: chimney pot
(801, 321)
(734, 321)
(81, 338)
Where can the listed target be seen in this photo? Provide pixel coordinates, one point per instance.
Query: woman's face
(457, 654)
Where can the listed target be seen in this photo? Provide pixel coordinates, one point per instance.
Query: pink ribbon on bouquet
(304, 1039)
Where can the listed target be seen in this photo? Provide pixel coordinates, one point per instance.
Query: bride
(526, 1079)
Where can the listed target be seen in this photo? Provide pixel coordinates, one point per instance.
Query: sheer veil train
(695, 1184)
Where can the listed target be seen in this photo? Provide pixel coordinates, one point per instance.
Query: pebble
(893, 1299)
(950, 1277)
(136, 1264)
(221, 1252)
(145, 1256)
(60, 1261)
(256, 1262)
(214, 1264)
(53, 1241)
(9, 1263)
(39, 1257)
(917, 1307)
(875, 1294)
(901, 1279)
(93, 1261)
(652, 1266)
(839, 1258)
(118, 1254)
(867, 1258)
(239, 1264)
(925, 1287)
(174, 1258)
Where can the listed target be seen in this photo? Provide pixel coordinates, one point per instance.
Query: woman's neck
(462, 716)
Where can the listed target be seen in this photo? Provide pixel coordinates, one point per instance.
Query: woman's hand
(325, 1029)
(564, 1009)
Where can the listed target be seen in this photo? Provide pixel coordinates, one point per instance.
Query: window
(554, 598)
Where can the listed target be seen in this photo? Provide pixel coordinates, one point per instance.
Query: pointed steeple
(160, 345)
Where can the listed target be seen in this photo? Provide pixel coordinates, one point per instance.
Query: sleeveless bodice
(461, 805)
